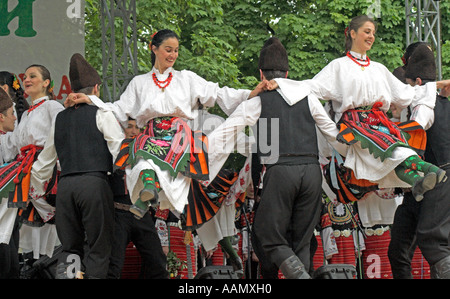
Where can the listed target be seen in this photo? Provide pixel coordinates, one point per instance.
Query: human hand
(262, 86)
(76, 98)
(272, 85)
(445, 91)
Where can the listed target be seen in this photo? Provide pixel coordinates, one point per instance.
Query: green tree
(221, 39)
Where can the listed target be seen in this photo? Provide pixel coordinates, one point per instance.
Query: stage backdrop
(46, 32)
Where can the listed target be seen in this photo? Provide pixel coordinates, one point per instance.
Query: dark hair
(86, 90)
(15, 92)
(159, 38)
(355, 24)
(270, 74)
(45, 73)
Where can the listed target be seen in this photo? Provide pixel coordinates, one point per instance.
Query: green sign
(24, 12)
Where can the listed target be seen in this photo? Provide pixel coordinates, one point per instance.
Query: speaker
(335, 271)
(216, 272)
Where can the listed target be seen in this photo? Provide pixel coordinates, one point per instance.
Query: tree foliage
(221, 40)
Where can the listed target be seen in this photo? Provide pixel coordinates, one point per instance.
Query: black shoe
(149, 195)
(423, 185)
(293, 268)
(138, 212)
(441, 176)
(441, 270)
(236, 263)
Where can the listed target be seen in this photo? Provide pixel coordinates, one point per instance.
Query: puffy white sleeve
(423, 115)
(208, 93)
(322, 86)
(324, 123)
(404, 95)
(42, 169)
(112, 131)
(8, 146)
(128, 104)
(223, 140)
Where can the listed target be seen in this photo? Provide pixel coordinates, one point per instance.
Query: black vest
(288, 130)
(438, 136)
(80, 145)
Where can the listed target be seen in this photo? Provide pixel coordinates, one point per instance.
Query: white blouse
(143, 100)
(348, 86)
(344, 83)
(33, 128)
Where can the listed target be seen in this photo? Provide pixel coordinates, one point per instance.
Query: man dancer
(85, 140)
(428, 220)
(141, 232)
(292, 184)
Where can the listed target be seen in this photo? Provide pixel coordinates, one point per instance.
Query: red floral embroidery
(164, 125)
(372, 120)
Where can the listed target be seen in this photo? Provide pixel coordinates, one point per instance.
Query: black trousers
(143, 234)
(84, 205)
(288, 211)
(426, 224)
(433, 229)
(403, 237)
(9, 255)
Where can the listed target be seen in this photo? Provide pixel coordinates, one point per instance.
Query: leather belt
(121, 206)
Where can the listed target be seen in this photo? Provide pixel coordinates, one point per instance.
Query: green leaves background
(221, 39)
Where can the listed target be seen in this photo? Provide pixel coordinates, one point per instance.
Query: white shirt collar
(358, 55)
(167, 71)
(40, 99)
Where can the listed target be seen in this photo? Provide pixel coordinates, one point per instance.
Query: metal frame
(118, 68)
(423, 23)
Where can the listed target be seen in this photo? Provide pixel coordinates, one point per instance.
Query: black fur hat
(400, 73)
(5, 101)
(82, 74)
(421, 64)
(273, 56)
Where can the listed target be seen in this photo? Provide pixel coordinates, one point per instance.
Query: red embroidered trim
(35, 106)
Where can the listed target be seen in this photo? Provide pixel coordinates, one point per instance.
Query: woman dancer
(361, 91)
(11, 85)
(22, 147)
(162, 158)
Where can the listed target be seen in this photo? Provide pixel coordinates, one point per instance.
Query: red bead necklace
(35, 106)
(162, 84)
(356, 60)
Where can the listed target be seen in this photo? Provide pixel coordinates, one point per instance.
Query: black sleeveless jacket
(80, 145)
(285, 134)
(438, 136)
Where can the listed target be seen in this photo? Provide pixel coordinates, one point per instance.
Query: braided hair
(15, 92)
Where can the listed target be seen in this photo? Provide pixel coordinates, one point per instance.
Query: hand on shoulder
(76, 98)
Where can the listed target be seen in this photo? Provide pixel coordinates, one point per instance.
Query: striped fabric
(417, 135)
(170, 143)
(184, 249)
(19, 198)
(347, 252)
(373, 130)
(205, 202)
(375, 257)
